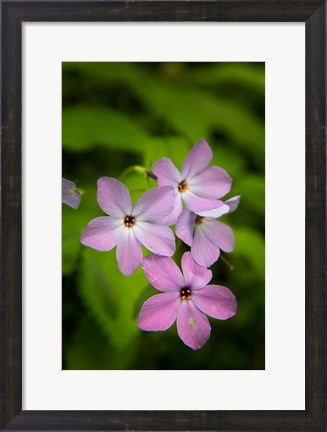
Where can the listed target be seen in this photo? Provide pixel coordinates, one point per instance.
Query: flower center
(182, 187)
(186, 293)
(129, 221)
(198, 220)
(71, 191)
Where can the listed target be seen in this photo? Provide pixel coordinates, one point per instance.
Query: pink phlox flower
(198, 185)
(185, 298)
(70, 194)
(128, 226)
(205, 235)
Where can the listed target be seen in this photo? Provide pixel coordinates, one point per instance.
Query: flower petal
(129, 252)
(163, 273)
(198, 204)
(216, 301)
(197, 160)
(114, 197)
(193, 326)
(204, 252)
(166, 172)
(159, 239)
(233, 203)
(155, 204)
(220, 234)
(195, 276)
(217, 212)
(70, 194)
(213, 182)
(176, 211)
(185, 226)
(102, 233)
(159, 312)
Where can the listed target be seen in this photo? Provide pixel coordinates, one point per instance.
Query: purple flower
(69, 194)
(186, 298)
(198, 185)
(128, 226)
(205, 235)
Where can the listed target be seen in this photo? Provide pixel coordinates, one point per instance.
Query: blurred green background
(120, 114)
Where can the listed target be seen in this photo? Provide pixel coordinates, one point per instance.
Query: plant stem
(225, 261)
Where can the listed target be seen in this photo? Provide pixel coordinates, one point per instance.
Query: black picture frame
(13, 14)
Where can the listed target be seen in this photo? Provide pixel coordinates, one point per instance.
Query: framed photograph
(163, 215)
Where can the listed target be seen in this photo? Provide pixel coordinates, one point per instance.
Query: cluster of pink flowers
(186, 298)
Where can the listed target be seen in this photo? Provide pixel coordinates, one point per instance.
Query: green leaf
(138, 184)
(111, 296)
(86, 126)
(73, 224)
(228, 158)
(195, 113)
(90, 349)
(175, 148)
(252, 189)
(250, 245)
(224, 73)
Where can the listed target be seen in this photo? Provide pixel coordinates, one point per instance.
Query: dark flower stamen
(186, 294)
(182, 187)
(198, 220)
(129, 221)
